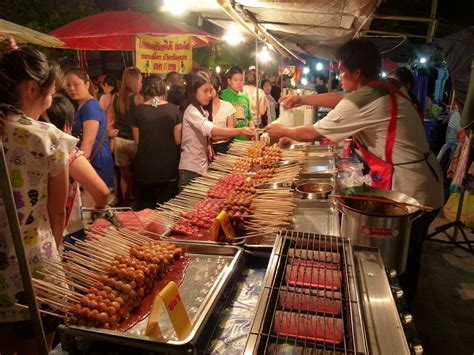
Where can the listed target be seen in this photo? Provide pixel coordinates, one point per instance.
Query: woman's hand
(249, 132)
(113, 132)
(290, 101)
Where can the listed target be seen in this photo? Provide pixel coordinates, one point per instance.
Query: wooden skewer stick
(42, 311)
(63, 279)
(55, 303)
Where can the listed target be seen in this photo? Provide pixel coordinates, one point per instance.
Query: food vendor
(382, 121)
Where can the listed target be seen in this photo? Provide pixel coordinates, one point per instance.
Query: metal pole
(256, 81)
(17, 238)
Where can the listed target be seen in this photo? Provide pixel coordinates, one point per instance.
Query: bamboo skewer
(41, 311)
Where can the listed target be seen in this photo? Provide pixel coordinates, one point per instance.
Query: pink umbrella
(117, 31)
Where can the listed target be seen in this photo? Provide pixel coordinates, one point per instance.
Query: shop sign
(161, 55)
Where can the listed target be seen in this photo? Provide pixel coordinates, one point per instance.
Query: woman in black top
(124, 105)
(156, 129)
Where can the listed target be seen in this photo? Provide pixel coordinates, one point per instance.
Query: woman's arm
(57, 195)
(262, 105)
(111, 119)
(178, 131)
(89, 133)
(136, 134)
(231, 121)
(83, 172)
(232, 132)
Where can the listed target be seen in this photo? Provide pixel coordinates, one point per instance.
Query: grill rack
(290, 244)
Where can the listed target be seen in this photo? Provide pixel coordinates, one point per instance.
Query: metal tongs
(108, 213)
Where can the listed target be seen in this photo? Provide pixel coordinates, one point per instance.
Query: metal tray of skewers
(201, 271)
(315, 166)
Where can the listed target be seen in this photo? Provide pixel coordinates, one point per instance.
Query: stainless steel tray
(315, 216)
(315, 166)
(384, 328)
(209, 270)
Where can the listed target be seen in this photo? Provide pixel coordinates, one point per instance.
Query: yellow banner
(161, 55)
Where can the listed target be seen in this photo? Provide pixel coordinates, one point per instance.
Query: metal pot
(389, 233)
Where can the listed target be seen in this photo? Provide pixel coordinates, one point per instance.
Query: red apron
(381, 171)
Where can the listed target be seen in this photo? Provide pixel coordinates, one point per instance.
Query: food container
(387, 229)
(314, 189)
(209, 269)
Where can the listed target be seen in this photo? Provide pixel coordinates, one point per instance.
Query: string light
(319, 66)
(218, 69)
(264, 55)
(422, 60)
(176, 7)
(233, 35)
(305, 70)
(304, 81)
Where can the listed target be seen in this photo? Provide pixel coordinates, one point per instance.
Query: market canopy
(314, 27)
(117, 30)
(23, 34)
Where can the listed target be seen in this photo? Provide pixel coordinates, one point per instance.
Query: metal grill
(309, 304)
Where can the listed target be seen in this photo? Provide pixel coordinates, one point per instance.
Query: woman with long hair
(124, 105)
(90, 127)
(37, 156)
(198, 129)
(156, 129)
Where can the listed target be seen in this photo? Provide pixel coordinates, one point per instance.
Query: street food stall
(254, 251)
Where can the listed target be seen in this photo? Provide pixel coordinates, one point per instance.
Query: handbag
(98, 147)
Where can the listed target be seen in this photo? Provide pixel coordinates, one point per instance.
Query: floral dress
(35, 151)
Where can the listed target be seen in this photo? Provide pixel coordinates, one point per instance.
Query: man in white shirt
(382, 121)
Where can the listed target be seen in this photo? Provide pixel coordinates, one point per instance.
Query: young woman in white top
(198, 129)
(250, 88)
(223, 116)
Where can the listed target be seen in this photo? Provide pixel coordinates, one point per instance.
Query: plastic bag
(451, 207)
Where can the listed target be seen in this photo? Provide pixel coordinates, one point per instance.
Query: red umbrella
(117, 30)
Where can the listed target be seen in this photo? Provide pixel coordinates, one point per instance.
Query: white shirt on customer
(251, 92)
(196, 131)
(365, 114)
(219, 119)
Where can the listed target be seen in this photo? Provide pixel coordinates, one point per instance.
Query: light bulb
(319, 66)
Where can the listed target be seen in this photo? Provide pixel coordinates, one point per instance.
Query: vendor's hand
(276, 130)
(249, 132)
(290, 101)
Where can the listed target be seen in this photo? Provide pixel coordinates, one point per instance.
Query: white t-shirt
(196, 131)
(365, 114)
(219, 119)
(251, 92)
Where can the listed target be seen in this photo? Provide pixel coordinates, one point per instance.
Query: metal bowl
(314, 190)
(275, 186)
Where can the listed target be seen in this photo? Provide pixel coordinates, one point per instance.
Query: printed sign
(377, 232)
(161, 55)
(169, 297)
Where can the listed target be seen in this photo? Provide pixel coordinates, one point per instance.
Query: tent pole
(17, 238)
(256, 80)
